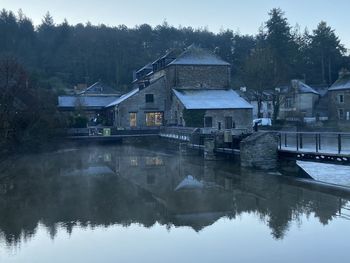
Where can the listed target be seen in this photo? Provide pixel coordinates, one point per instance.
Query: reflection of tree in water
(70, 190)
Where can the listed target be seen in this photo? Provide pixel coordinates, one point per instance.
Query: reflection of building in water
(144, 189)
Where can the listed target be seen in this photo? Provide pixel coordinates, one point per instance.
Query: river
(124, 203)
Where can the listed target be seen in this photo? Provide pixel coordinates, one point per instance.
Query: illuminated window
(133, 119)
(134, 161)
(154, 119)
(154, 161)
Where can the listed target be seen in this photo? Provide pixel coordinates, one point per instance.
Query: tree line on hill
(63, 54)
(55, 56)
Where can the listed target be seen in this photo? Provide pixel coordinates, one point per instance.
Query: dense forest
(64, 55)
(39, 62)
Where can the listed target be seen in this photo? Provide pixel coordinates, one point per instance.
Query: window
(288, 103)
(341, 114)
(154, 119)
(134, 161)
(219, 125)
(154, 161)
(149, 98)
(133, 119)
(208, 122)
(228, 123)
(341, 98)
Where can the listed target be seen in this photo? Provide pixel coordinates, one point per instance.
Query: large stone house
(192, 80)
(339, 98)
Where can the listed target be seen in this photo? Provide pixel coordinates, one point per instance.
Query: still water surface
(128, 204)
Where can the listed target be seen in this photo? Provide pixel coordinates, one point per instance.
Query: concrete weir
(260, 150)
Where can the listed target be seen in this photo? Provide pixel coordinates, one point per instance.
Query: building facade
(154, 102)
(339, 98)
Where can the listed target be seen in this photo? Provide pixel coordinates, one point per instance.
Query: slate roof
(321, 89)
(146, 67)
(211, 99)
(198, 56)
(301, 87)
(123, 97)
(99, 88)
(343, 83)
(85, 101)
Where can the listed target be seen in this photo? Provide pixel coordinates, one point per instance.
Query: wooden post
(301, 141)
(280, 137)
(285, 140)
(297, 142)
(339, 143)
(319, 141)
(316, 138)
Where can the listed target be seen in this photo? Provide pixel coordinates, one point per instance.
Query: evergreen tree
(326, 52)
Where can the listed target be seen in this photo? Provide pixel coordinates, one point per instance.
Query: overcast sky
(243, 16)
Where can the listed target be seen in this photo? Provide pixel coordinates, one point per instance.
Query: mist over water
(132, 204)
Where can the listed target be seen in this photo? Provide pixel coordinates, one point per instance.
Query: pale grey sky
(245, 16)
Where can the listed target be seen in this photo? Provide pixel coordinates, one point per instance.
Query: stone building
(339, 98)
(153, 101)
(142, 107)
(221, 109)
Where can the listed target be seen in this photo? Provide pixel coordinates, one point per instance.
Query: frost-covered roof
(298, 86)
(85, 101)
(343, 83)
(147, 67)
(198, 56)
(303, 88)
(123, 97)
(211, 99)
(321, 89)
(98, 88)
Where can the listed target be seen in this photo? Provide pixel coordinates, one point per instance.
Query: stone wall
(260, 150)
(335, 105)
(243, 118)
(137, 103)
(198, 76)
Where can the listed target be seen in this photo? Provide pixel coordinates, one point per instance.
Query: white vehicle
(263, 122)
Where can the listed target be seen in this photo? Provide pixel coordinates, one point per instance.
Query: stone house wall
(198, 76)
(242, 118)
(335, 104)
(137, 104)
